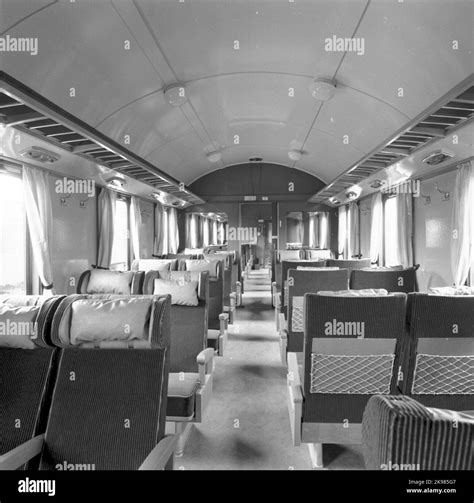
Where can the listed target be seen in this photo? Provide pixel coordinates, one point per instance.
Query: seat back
(307, 281)
(439, 351)
(188, 323)
(104, 281)
(350, 264)
(293, 264)
(351, 349)
(403, 280)
(108, 408)
(154, 264)
(215, 268)
(28, 375)
(317, 254)
(399, 433)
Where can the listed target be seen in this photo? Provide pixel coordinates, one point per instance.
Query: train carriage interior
(237, 235)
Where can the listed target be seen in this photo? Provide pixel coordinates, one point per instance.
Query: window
(390, 234)
(13, 242)
(120, 247)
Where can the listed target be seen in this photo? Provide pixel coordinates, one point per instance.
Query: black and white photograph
(236, 248)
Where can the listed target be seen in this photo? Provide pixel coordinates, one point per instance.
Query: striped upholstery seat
(399, 433)
(391, 280)
(438, 351)
(307, 281)
(28, 377)
(84, 280)
(109, 405)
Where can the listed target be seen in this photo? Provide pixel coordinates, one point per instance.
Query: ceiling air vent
(438, 157)
(255, 159)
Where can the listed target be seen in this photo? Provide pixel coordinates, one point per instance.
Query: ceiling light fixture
(40, 154)
(322, 89)
(116, 182)
(295, 155)
(214, 156)
(438, 157)
(175, 94)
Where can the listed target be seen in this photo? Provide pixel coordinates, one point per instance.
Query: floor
(246, 426)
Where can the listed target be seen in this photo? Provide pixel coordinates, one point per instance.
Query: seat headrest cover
(193, 251)
(451, 290)
(302, 267)
(203, 265)
(102, 281)
(146, 265)
(18, 326)
(385, 268)
(368, 292)
(96, 320)
(22, 300)
(182, 293)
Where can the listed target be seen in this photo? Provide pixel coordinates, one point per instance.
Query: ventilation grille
(437, 124)
(83, 140)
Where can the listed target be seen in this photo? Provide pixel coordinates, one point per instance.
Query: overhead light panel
(438, 157)
(295, 155)
(175, 94)
(214, 156)
(40, 155)
(116, 182)
(322, 89)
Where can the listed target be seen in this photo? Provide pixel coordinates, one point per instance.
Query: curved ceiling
(241, 93)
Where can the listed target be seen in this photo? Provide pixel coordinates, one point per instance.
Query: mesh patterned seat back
(28, 375)
(350, 264)
(109, 404)
(399, 433)
(439, 351)
(393, 281)
(286, 265)
(135, 285)
(188, 323)
(351, 351)
(307, 281)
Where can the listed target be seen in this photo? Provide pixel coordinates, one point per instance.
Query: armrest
(223, 321)
(161, 454)
(17, 457)
(293, 372)
(204, 358)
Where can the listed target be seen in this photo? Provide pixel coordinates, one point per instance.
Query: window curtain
(405, 229)
(313, 230)
(39, 215)
(192, 231)
(323, 231)
(173, 231)
(214, 240)
(135, 225)
(205, 231)
(353, 222)
(376, 230)
(462, 238)
(159, 230)
(106, 209)
(342, 232)
(220, 233)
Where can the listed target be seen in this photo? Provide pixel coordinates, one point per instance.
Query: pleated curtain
(106, 211)
(313, 230)
(159, 243)
(135, 226)
(323, 240)
(173, 231)
(405, 229)
(462, 235)
(376, 230)
(342, 232)
(353, 224)
(39, 215)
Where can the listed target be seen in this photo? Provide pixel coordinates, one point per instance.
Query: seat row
(359, 344)
(85, 372)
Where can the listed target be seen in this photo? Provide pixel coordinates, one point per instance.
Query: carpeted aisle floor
(246, 425)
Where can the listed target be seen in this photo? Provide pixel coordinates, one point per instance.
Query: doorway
(256, 223)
